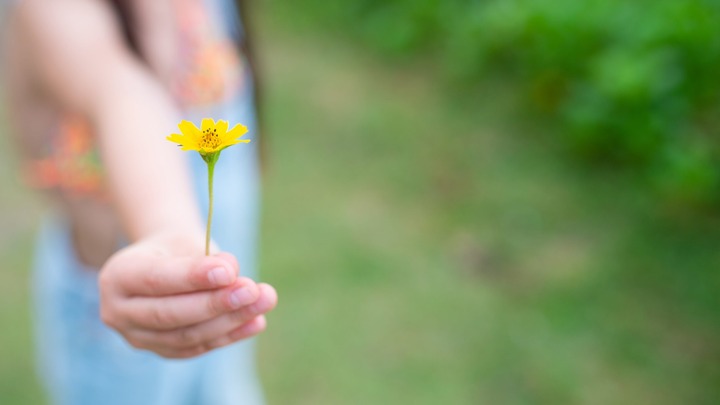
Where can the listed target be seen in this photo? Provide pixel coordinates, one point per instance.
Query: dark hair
(125, 19)
(246, 47)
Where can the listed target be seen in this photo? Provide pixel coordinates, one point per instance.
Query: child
(93, 87)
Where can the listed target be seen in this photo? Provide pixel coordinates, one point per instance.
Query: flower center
(210, 139)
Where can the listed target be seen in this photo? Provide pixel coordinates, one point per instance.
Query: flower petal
(222, 127)
(186, 142)
(187, 128)
(208, 123)
(237, 131)
(234, 142)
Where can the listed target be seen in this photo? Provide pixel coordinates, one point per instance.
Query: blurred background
(467, 202)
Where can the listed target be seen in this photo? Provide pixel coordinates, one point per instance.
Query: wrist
(178, 240)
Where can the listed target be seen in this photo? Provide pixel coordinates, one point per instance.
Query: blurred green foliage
(627, 83)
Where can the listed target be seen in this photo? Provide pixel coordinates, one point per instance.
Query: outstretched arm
(81, 58)
(161, 293)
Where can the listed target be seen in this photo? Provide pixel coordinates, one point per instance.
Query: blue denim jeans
(83, 362)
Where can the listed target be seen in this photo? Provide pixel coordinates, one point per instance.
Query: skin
(161, 293)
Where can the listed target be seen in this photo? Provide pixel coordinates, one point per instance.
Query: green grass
(18, 218)
(429, 249)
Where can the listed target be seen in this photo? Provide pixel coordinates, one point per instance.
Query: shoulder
(64, 24)
(69, 46)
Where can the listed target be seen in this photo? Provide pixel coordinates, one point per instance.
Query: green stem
(211, 170)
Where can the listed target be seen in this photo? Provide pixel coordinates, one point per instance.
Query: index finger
(159, 276)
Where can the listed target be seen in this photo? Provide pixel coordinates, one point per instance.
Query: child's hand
(177, 305)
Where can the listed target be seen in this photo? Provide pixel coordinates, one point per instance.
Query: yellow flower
(213, 137)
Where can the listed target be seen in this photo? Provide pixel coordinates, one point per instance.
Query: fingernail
(219, 276)
(241, 296)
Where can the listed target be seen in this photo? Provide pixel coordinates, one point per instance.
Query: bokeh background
(468, 202)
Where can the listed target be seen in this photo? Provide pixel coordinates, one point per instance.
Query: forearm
(147, 176)
(81, 61)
